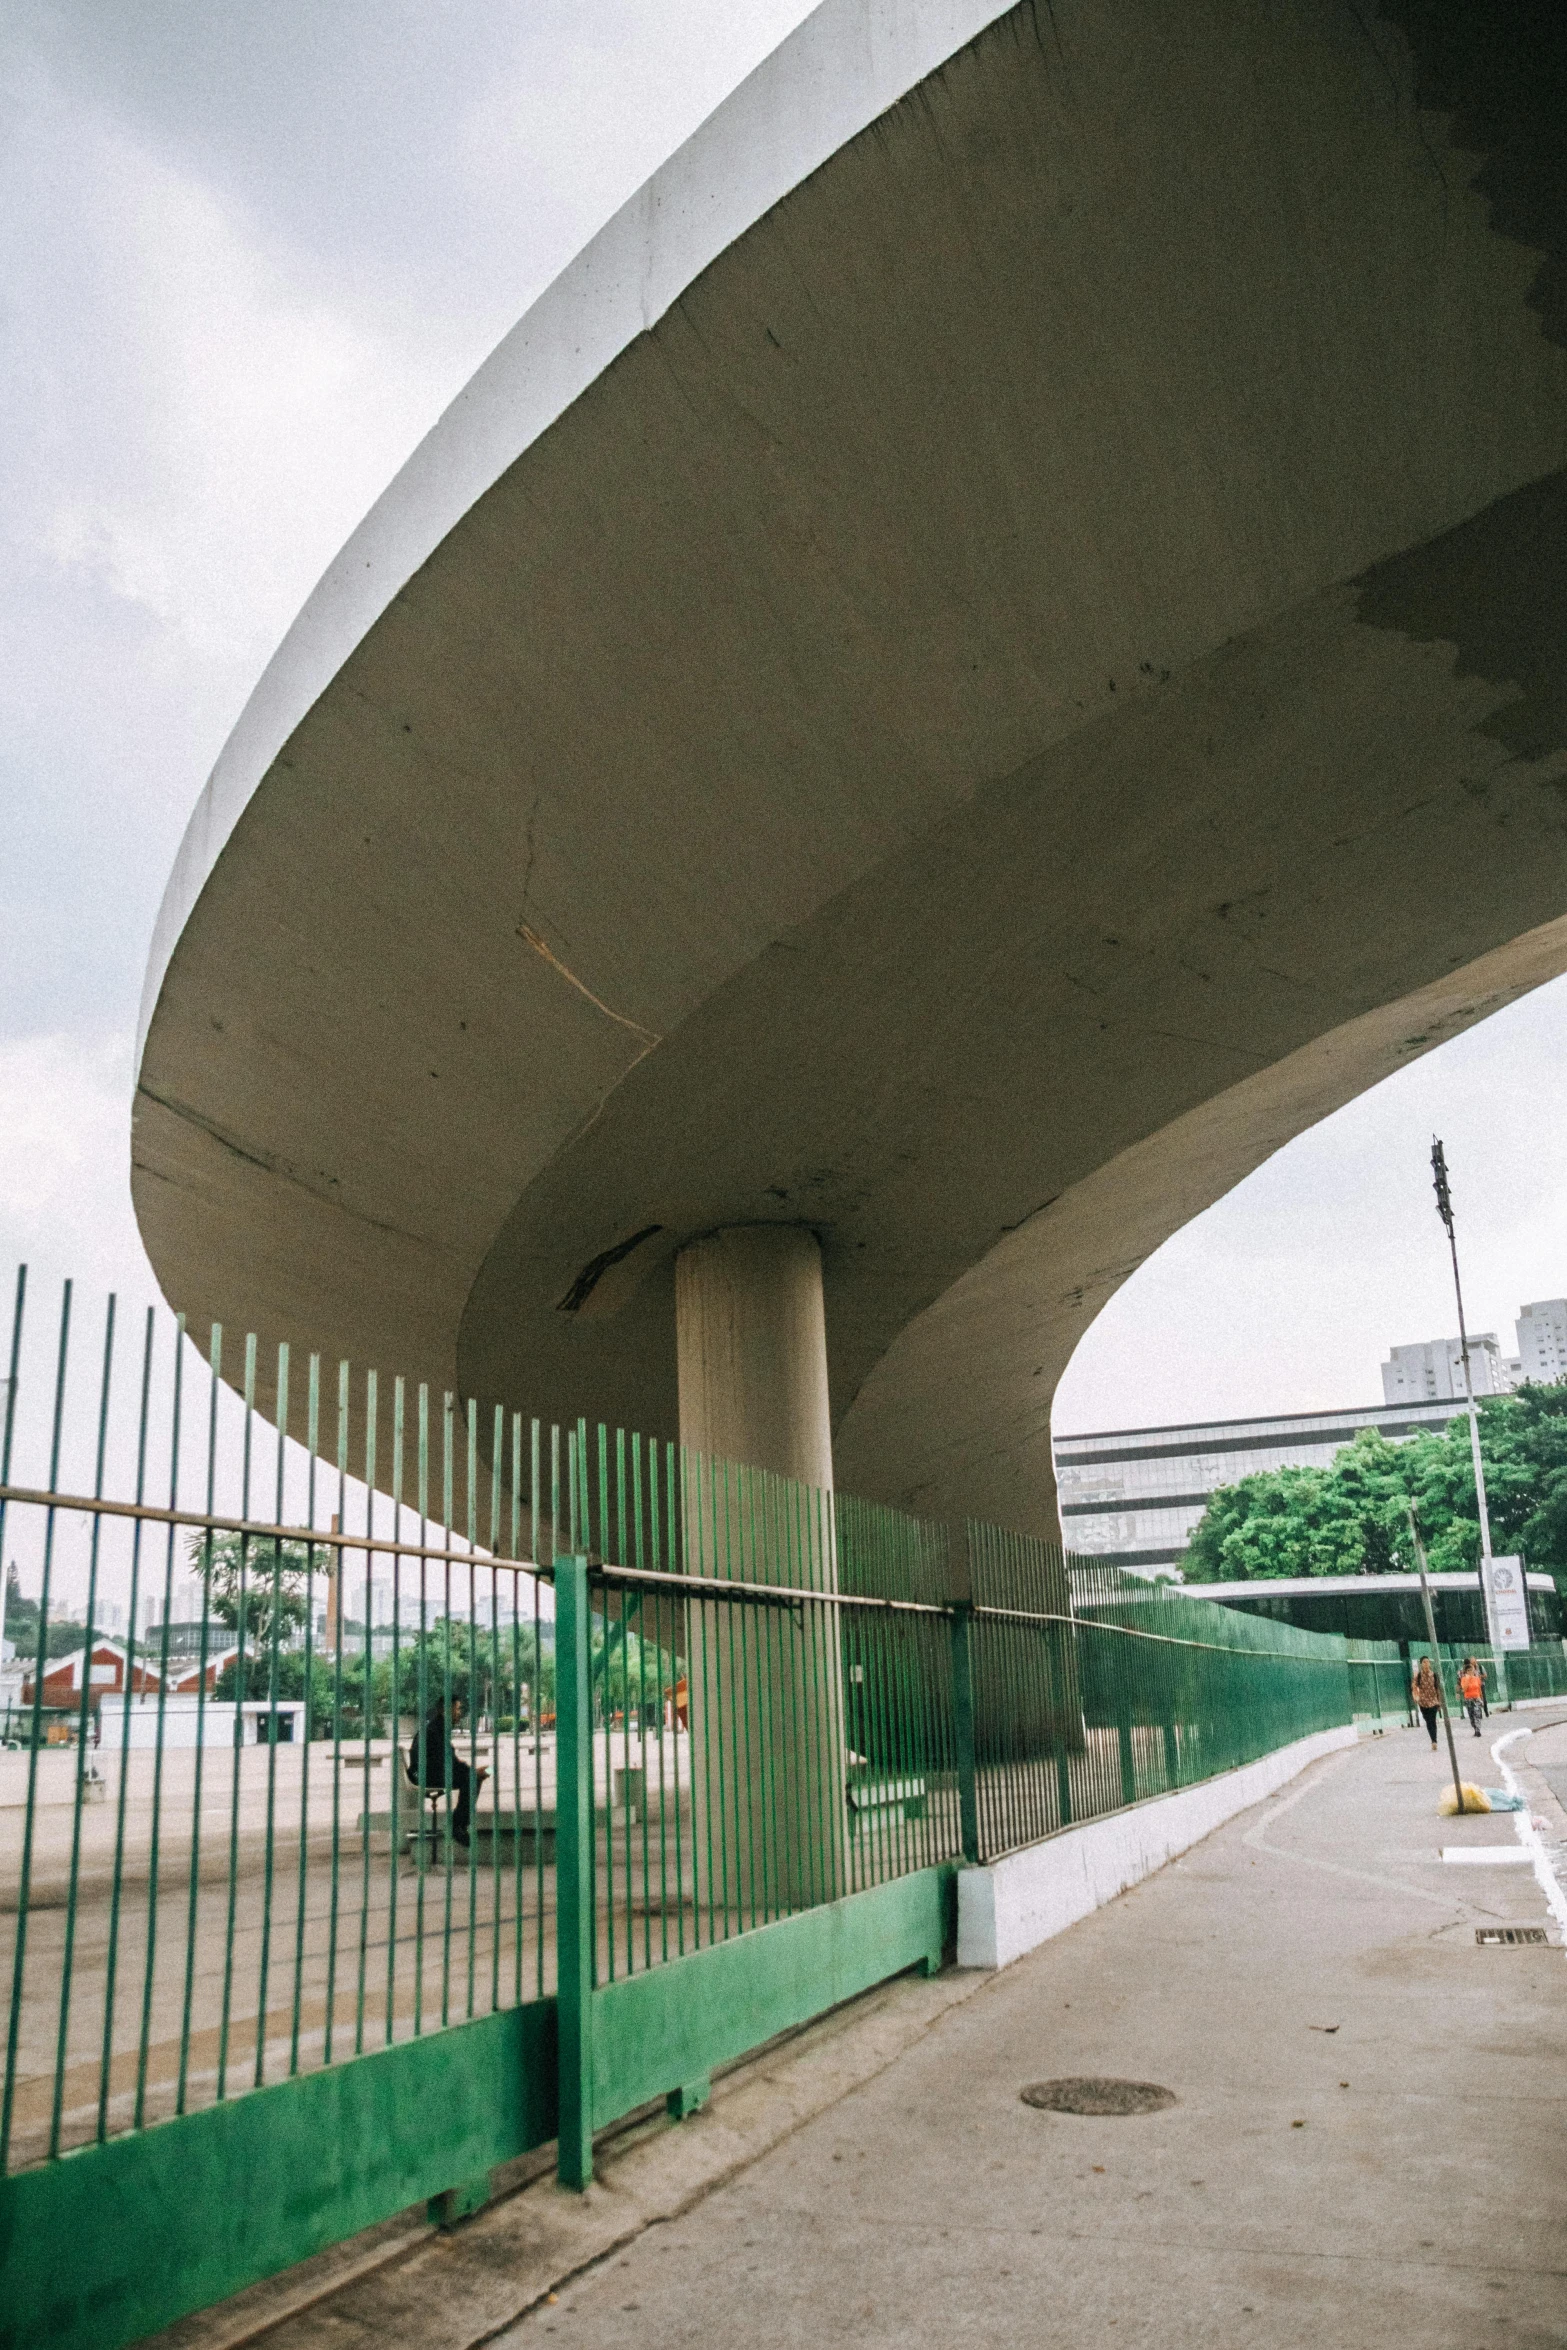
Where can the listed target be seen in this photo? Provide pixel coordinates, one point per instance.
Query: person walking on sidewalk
(1427, 1695)
(1471, 1688)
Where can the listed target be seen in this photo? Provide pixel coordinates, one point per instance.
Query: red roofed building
(187, 1681)
(108, 1670)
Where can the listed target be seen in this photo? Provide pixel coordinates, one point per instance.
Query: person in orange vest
(1471, 1688)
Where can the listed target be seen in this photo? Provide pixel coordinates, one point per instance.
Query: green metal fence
(1099, 1689)
(1532, 1673)
(1378, 1681)
(393, 1785)
(219, 1872)
(1380, 1673)
(1523, 1674)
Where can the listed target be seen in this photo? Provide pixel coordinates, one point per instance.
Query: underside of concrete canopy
(992, 650)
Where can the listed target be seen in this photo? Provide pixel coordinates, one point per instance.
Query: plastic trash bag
(1475, 1800)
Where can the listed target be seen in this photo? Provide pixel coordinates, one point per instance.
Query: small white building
(187, 1722)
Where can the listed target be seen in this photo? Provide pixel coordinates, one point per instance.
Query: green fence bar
(658, 2032)
(574, 1796)
(963, 1729)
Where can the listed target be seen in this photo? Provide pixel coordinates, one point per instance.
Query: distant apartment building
(1133, 1496)
(1542, 1341)
(1433, 1370)
(181, 1601)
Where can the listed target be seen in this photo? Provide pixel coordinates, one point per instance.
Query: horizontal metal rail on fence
(263, 1530)
(1078, 1623)
(719, 1587)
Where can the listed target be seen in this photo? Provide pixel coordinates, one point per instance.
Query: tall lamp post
(1444, 1208)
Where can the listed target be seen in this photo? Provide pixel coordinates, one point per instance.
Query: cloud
(193, 427)
(599, 98)
(249, 425)
(64, 1155)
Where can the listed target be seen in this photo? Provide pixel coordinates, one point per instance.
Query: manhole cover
(1509, 1934)
(1093, 2095)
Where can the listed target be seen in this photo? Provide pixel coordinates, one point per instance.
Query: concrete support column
(765, 1683)
(751, 1348)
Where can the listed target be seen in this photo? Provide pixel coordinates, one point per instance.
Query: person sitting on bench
(442, 1765)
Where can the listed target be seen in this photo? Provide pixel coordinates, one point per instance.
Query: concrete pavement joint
(1218, 2239)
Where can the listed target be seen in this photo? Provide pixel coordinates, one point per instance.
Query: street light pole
(1444, 1208)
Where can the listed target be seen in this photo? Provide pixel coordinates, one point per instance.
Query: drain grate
(1509, 1934)
(1097, 2096)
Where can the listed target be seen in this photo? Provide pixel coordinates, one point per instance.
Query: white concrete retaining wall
(1017, 1903)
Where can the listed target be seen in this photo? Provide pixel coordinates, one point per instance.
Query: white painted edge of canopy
(847, 64)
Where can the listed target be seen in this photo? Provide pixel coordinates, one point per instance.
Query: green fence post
(573, 1872)
(1061, 1682)
(963, 1727)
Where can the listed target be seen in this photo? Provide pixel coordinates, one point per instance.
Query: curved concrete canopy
(988, 653)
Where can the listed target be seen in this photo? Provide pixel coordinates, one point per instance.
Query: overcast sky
(247, 254)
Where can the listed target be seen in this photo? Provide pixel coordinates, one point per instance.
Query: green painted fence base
(113, 2242)
(119, 2240)
(459, 2203)
(651, 2033)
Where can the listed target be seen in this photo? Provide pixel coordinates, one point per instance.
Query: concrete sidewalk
(1368, 2147)
(1370, 2144)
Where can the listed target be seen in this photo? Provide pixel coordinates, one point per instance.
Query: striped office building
(1134, 1495)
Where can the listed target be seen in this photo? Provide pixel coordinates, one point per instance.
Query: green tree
(65, 1635)
(1529, 1511)
(1351, 1518)
(627, 1672)
(1344, 1520)
(258, 1586)
(497, 1672)
(289, 1677)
